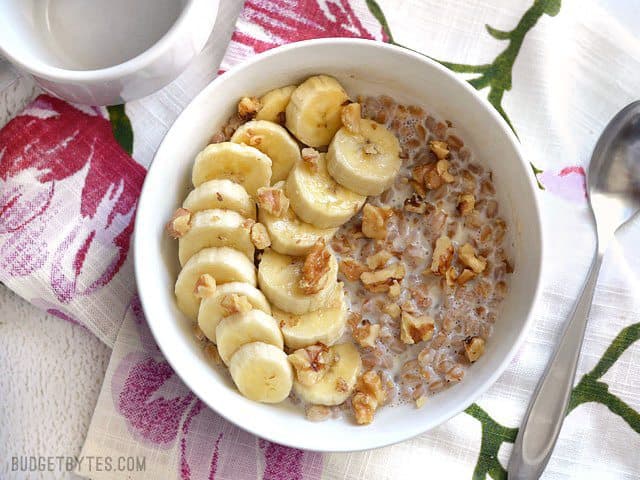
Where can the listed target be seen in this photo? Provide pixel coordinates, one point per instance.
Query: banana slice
(272, 140)
(222, 263)
(366, 161)
(274, 103)
(241, 328)
(338, 383)
(261, 372)
(216, 228)
(322, 326)
(313, 113)
(317, 199)
(290, 235)
(279, 276)
(211, 309)
(223, 194)
(243, 164)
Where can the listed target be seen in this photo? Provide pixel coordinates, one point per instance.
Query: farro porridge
(424, 266)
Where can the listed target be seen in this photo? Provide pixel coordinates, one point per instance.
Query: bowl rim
(112, 72)
(533, 212)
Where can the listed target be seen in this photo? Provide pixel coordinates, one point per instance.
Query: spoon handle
(543, 420)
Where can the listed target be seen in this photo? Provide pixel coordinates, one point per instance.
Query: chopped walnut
(391, 309)
(468, 256)
(211, 352)
(311, 363)
(451, 276)
(310, 157)
(364, 407)
(352, 269)
(416, 328)
(473, 348)
(432, 179)
(395, 271)
(394, 289)
(259, 236)
(366, 334)
(415, 204)
(341, 385)
(369, 395)
(248, 223)
(465, 276)
(442, 255)
(218, 137)
(379, 259)
(248, 107)
(374, 221)
(233, 303)
(272, 200)
(420, 401)
(439, 148)
(315, 269)
(466, 204)
(180, 223)
(418, 188)
(351, 116)
(205, 286)
(442, 167)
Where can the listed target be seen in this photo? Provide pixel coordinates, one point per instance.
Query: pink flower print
(286, 21)
(61, 170)
(568, 183)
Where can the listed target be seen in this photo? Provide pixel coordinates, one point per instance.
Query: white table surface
(51, 370)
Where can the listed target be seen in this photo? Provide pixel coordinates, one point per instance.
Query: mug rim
(132, 65)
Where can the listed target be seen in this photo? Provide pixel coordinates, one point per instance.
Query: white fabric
(573, 73)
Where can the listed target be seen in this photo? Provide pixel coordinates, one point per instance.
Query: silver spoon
(613, 182)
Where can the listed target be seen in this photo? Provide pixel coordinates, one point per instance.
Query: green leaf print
(497, 76)
(121, 127)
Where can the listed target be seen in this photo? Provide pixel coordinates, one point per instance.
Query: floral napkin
(556, 72)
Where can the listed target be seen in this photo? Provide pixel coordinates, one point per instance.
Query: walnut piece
(272, 200)
(451, 276)
(351, 268)
(466, 204)
(473, 348)
(259, 236)
(415, 204)
(442, 167)
(439, 148)
(351, 116)
(180, 223)
(395, 271)
(374, 221)
(205, 286)
(310, 157)
(420, 401)
(391, 309)
(369, 395)
(416, 328)
(379, 259)
(394, 289)
(314, 271)
(233, 303)
(465, 276)
(366, 334)
(442, 255)
(317, 413)
(467, 255)
(248, 107)
(311, 363)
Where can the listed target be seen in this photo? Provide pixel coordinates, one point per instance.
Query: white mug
(104, 52)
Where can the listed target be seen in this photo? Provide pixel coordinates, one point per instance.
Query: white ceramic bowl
(363, 67)
(104, 52)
